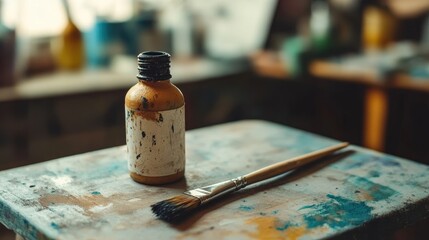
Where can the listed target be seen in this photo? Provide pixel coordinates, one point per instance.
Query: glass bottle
(155, 123)
(70, 46)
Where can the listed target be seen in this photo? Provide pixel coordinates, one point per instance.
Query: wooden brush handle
(289, 164)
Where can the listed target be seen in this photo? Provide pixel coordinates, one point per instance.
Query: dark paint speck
(145, 103)
(153, 140)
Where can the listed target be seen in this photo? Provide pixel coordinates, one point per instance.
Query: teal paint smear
(55, 226)
(374, 174)
(337, 213)
(389, 162)
(107, 170)
(360, 159)
(246, 208)
(115, 167)
(376, 191)
(285, 226)
(356, 160)
(96, 193)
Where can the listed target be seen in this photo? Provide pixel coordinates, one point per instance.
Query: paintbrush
(175, 208)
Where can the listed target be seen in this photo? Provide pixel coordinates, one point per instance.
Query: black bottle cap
(153, 66)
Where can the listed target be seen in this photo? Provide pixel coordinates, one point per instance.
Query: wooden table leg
(375, 118)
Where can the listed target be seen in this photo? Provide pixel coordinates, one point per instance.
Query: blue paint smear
(96, 193)
(55, 226)
(246, 208)
(376, 191)
(361, 159)
(285, 226)
(356, 161)
(337, 212)
(115, 167)
(389, 162)
(103, 171)
(373, 174)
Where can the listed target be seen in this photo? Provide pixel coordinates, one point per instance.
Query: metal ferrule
(211, 192)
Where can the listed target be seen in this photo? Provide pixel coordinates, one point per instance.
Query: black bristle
(175, 209)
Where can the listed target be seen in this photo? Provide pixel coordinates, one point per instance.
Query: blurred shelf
(404, 81)
(336, 72)
(121, 75)
(368, 76)
(270, 64)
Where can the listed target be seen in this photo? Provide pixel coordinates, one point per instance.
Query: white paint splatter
(226, 222)
(96, 209)
(134, 199)
(59, 181)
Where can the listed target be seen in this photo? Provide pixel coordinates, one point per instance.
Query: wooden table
(356, 193)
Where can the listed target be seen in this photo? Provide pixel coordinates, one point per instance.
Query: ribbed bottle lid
(153, 66)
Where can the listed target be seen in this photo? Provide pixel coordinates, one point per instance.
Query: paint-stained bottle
(155, 123)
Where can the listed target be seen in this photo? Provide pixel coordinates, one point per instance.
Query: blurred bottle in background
(320, 26)
(378, 28)
(109, 29)
(69, 48)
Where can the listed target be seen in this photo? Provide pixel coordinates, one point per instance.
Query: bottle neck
(153, 66)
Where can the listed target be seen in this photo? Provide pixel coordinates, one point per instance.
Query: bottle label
(155, 141)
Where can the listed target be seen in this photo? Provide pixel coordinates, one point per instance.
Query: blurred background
(354, 70)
